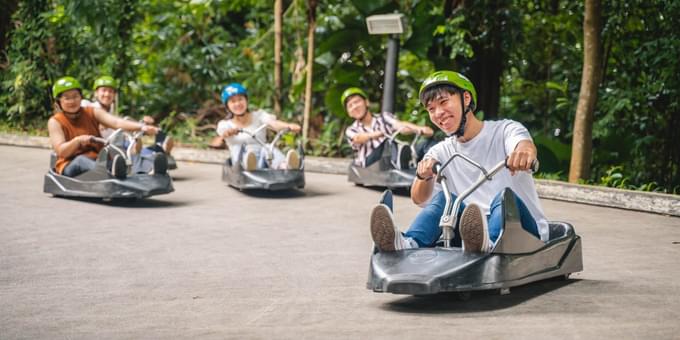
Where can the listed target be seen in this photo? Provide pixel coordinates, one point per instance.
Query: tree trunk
(278, 19)
(582, 142)
(486, 67)
(311, 26)
(485, 73)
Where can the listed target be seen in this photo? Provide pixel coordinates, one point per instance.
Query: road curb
(586, 194)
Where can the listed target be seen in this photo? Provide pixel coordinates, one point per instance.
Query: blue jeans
(140, 164)
(239, 152)
(78, 165)
(425, 228)
(421, 149)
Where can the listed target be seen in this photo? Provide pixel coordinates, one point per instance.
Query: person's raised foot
(474, 230)
(404, 157)
(119, 167)
(160, 164)
(293, 160)
(168, 144)
(385, 234)
(250, 161)
(135, 147)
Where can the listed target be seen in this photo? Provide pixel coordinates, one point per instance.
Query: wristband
(423, 178)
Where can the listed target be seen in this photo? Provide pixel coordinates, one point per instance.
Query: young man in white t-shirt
(450, 99)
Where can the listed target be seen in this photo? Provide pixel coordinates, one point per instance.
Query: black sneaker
(404, 157)
(119, 167)
(160, 164)
(474, 230)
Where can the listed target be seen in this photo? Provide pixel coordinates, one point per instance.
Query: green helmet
(350, 92)
(107, 81)
(64, 84)
(448, 77)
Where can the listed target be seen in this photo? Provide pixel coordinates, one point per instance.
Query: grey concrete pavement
(209, 262)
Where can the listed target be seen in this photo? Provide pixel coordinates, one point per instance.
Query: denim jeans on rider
(78, 165)
(421, 149)
(239, 151)
(425, 227)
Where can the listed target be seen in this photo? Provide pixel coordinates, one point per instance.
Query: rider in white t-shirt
(241, 145)
(450, 99)
(105, 91)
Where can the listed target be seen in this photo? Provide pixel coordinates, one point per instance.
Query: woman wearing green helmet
(72, 128)
(105, 97)
(368, 133)
(450, 99)
(105, 90)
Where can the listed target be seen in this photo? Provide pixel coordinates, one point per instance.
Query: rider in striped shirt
(368, 132)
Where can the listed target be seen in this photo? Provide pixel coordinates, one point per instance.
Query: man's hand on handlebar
(363, 138)
(409, 129)
(424, 170)
(522, 158)
(149, 130)
(294, 127)
(426, 131)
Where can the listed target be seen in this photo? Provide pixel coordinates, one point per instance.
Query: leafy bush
(172, 59)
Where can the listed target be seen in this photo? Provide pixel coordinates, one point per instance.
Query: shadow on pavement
(130, 202)
(479, 301)
(398, 191)
(291, 193)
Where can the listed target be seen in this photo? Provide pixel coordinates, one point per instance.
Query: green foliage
(331, 142)
(540, 86)
(25, 95)
(616, 177)
(173, 57)
(636, 118)
(637, 122)
(455, 34)
(553, 176)
(553, 155)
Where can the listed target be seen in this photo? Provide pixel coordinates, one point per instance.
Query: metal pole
(389, 84)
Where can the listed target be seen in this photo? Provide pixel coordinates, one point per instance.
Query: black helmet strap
(463, 120)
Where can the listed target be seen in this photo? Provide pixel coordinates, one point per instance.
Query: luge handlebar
(437, 167)
(449, 218)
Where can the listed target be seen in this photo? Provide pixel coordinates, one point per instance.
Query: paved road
(210, 262)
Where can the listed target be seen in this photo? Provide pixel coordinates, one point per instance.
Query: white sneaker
(385, 235)
(293, 159)
(249, 161)
(474, 230)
